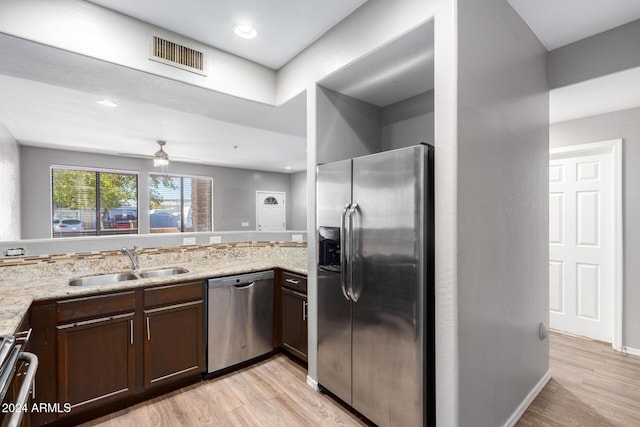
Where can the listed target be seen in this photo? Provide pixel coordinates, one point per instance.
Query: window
(93, 202)
(180, 204)
(270, 201)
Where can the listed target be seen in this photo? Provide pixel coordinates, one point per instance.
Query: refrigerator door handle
(351, 261)
(343, 252)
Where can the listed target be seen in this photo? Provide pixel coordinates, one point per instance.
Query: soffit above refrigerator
(392, 73)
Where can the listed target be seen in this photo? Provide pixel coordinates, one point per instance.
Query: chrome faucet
(134, 258)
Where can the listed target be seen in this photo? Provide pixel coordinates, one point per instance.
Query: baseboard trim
(630, 350)
(528, 400)
(312, 383)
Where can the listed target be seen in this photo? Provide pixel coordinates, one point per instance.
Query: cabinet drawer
(294, 281)
(95, 306)
(172, 294)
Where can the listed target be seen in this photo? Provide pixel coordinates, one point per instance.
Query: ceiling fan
(161, 157)
(173, 158)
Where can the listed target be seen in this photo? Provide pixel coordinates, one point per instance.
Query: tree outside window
(93, 202)
(180, 204)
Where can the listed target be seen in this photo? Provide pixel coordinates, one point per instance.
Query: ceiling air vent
(174, 54)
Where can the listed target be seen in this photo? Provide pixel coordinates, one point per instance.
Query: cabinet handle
(131, 330)
(295, 282)
(93, 321)
(304, 311)
(148, 330)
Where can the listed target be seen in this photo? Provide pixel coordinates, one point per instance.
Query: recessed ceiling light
(106, 103)
(245, 31)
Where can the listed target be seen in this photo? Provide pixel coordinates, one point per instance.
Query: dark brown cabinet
(174, 333)
(42, 316)
(102, 352)
(96, 349)
(294, 314)
(96, 361)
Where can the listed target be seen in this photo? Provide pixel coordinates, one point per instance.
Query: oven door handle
(16, 417)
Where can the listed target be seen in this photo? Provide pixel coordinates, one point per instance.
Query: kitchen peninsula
(77, 328)
(32, 278)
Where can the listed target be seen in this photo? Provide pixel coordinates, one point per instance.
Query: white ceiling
(560, 22)
(285, 27)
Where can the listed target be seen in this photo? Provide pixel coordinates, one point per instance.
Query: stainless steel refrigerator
(376, 285)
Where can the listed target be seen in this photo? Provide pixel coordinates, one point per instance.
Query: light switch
(245, 224)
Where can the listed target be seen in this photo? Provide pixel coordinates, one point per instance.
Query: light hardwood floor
(591, 385)
(270, 393)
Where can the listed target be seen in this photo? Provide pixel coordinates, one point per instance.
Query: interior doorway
(270, 211)
(585, 241)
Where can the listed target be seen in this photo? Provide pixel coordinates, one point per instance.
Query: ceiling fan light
(160, 162)
(160, 158)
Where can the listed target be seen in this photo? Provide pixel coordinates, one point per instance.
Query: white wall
(604, 53)
(502, 213)
(626, 125)
(408, 122)
(234, 190)
(348, 127)
(352, 128)
(298, 202)
(10, 186)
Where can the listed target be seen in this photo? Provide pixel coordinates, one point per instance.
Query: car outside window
(180, 204)
(88, 202)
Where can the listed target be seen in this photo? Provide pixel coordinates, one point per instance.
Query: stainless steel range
(13, 395)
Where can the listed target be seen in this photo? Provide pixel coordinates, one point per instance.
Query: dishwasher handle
(244, 285)
(240, 281)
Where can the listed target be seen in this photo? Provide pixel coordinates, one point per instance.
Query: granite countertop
(17, 296)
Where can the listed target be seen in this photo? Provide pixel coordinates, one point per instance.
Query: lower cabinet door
(96, 361)
(294, 323)
(173, 343)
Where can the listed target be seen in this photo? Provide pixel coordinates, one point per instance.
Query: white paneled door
(581, 245)
(270, 211)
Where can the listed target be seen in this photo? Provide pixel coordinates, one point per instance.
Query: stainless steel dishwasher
(240, 319)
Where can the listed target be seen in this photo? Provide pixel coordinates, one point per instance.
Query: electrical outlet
(296, 238)
(15, 252)
(215, 239)
(245, 224)
(189, 241)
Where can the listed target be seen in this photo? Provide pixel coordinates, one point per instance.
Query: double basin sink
(103, 279)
